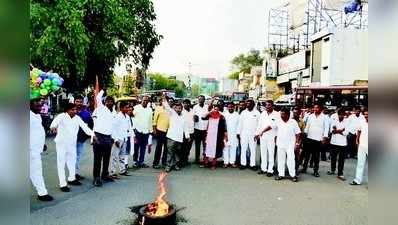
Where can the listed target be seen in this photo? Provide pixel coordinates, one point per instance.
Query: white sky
(208, 33)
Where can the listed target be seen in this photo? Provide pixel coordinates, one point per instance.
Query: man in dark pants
(143, 127)
(317, 131)
(160, 126)
(187, 142)
(103, 117)
(200, 126)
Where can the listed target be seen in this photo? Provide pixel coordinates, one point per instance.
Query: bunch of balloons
(43, 83)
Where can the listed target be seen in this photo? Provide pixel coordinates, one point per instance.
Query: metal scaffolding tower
(282, 34)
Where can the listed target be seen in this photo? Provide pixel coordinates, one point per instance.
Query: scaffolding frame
(281, 34)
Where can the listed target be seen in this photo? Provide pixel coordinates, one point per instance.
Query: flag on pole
(96, 91)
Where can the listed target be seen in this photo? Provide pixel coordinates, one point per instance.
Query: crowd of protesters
(222, 135)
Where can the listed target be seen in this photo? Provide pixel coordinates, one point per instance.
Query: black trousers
(102, 154)
(200, 138)
(351, 145)
(140, 147)
(161, 142)
(312, 148)
(341, 152)
(186, 150)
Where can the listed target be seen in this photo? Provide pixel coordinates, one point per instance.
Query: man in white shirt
(178, 129)
(143, 115)
(66, 125)
(247, 128)
(187, 142)
(104, 118)
(232, 121)
(268, 118)
(287, 141)
(317, 133)
(338, 143)
(36, 145)
(354, 121)
(200, 126)
(119, 153)
(362, 142)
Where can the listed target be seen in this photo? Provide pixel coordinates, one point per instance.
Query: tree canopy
(244, 63)
(80, 39)
(162, 81)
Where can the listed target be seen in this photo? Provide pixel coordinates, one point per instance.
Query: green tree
(244, 62)
(83, 38)
(234, 75)
(195, 90)
(162, 81)
(128, 85)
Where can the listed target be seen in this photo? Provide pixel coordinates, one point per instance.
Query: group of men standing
(287, 139)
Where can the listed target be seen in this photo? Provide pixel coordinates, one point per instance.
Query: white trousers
(66, 154)
(229, 153)
(362, 158)
(119, 158)
(247, 141)
(267, 147)
(286, 156)
(36, 173)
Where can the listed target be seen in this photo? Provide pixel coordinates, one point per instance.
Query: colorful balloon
(47, 82)
(43, 92)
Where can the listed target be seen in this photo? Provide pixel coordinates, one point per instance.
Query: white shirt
(339, 139)
(286, 133)
(188, 115)
(317, 127)
(37, 133)
(104, 119)
(122, 127)
(201, 112)
(363, 139)
(232, 121)
(177, 127)
(353, 123)
(68, 127)
(268, 120)
(248, 122)
(143, 119)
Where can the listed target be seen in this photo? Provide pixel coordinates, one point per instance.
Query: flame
(160, 207)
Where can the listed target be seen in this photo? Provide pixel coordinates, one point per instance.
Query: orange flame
(160, 207)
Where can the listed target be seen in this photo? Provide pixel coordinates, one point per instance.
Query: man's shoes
(295, 179)
(65, 189)
(75, 183)
(45, 198)
(114, 176)
(254, 168)
(144, 166)
(279, 178)
(354, 183)
(341, 177)
(303, 171)
(168, 169)
(316, 174)
(177, 168)
(331, 173)
(108, 179)
(156, 167)
(234, 166)
(225, 166)
(125, 174)
(97, 182)
(242, 167)
(78, 177)
(261, 172)
(270, 174)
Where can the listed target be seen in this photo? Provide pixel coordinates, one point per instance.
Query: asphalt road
(224, 196)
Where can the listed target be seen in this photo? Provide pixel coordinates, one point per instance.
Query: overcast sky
(208, 33)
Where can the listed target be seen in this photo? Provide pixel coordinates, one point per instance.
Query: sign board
(292, 63)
